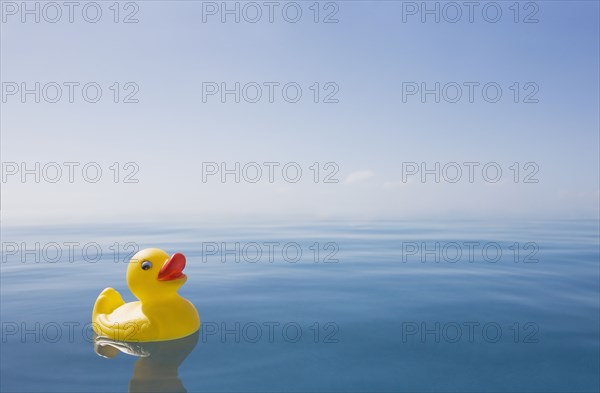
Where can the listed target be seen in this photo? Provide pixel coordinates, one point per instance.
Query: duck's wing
(108, 301)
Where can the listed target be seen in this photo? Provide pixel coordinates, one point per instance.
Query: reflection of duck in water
(158, 363)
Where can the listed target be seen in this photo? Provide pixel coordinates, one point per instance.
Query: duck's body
(161, 314)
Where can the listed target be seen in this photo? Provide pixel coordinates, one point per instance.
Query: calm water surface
(392, 306)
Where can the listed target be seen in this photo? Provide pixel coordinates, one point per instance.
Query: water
(526, 322)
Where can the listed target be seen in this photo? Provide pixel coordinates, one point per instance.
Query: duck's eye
(146, 265)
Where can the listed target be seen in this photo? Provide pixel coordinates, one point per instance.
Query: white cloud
(389, 185)
(359, 176)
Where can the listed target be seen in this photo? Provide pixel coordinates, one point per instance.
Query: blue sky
(369, 134)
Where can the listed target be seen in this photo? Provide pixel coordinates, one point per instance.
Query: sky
(370, 133)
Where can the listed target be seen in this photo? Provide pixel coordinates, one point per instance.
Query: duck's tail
(108, 301)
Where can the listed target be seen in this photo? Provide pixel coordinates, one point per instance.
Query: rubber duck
(160, 314)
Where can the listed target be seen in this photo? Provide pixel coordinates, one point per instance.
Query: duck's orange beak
(173, 268)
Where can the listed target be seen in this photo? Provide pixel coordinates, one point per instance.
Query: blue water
(373, 317)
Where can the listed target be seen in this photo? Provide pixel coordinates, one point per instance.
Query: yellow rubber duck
(160, 314)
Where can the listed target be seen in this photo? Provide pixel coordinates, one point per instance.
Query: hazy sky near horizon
(371, 60)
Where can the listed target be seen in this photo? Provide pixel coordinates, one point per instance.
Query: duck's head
(154, 275)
